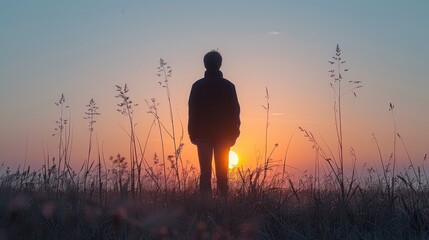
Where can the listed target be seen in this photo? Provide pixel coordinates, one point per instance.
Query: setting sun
(233, 159)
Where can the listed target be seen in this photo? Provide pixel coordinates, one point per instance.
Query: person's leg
(221, 155)
(205, 153)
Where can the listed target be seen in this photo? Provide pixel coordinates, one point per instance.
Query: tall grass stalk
(285, 157)
(90, 115)
(62, 131)
(340, 88)
(126, 108)
(99, 174)
(148, 169)
(165, 71)
(416, 175)
(153, 109)
(393, 180)
(384, 169)
(424, 171)
(267, 124)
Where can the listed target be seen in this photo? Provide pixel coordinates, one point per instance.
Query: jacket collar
(213, 73)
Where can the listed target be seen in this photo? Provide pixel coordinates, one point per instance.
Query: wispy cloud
(274, 33)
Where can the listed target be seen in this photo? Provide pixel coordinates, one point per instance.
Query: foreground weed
(153, 109)
(63, 132)
(267, 124)
(165, 71)
(120, 173)
(126, 108)
(90, 115)
(340, 88)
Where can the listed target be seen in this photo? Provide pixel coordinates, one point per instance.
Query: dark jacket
(214, 111)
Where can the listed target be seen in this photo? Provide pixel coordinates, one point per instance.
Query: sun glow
(233, 159)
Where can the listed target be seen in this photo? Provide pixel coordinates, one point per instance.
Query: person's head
(212, 60)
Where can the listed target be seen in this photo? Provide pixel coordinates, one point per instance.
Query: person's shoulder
(228, 82)
(198, 82)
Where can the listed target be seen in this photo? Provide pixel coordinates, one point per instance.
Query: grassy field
(48, 204)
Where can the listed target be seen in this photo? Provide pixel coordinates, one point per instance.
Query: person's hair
(212, 60)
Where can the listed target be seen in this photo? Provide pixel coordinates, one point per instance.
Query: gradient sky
(84, 48)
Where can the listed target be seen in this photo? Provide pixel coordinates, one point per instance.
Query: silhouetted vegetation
(131, 197)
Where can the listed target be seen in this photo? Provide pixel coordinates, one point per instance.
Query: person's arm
(236, 110)
(191, 114)
(235, 114)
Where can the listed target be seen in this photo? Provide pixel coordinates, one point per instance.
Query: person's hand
(231, 142)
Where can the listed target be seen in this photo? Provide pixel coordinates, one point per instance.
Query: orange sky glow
(282, 47)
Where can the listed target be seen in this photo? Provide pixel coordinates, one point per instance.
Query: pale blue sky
(84, 48)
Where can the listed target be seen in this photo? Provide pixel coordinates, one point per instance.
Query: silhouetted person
(214, 122)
